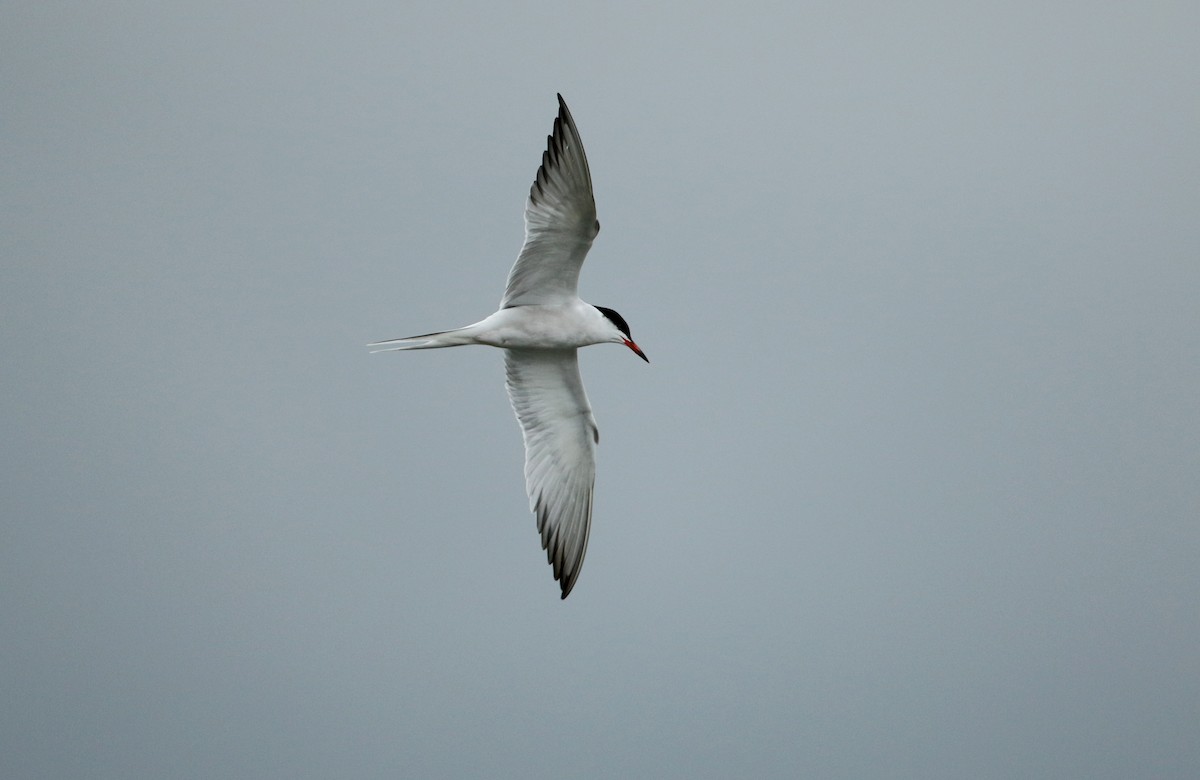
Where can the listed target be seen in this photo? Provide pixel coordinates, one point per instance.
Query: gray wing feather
(560, 222)
(560, 434)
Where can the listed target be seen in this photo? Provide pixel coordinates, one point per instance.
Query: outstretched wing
(560, 456)
(560, 222)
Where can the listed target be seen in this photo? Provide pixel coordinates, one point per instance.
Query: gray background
(910, 488)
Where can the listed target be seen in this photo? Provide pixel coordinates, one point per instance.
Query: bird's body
(535, 326)
(540, 325)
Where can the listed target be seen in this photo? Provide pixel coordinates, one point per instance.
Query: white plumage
(541, 324)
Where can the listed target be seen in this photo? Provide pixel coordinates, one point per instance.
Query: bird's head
(622, 331)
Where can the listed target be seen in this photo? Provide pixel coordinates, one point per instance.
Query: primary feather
(560, 462)
(560, 222)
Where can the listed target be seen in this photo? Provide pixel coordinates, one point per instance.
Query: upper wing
(560, 461)
(560, 222)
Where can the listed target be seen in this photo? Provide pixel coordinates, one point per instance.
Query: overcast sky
(911, 487)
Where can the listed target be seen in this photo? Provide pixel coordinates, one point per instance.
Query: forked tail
(443, 338)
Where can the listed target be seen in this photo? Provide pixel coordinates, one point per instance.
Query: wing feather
(560, 434)
(560, 222)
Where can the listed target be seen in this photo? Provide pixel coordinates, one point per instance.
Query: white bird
(540, 326)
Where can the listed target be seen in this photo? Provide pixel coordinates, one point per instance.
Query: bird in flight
(540, 326)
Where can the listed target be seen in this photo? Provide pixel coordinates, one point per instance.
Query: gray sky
(910, 488)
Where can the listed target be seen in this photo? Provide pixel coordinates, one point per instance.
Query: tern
(541, 324)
